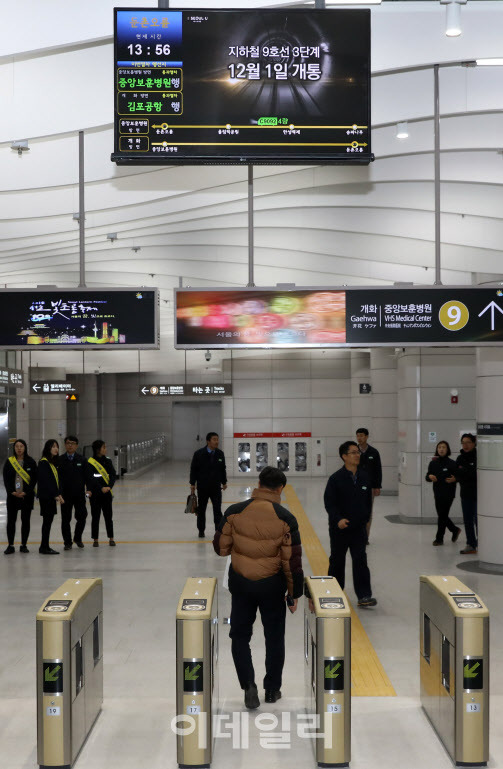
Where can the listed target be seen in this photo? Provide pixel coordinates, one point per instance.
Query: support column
(428, 380)
(490, 456)
(47, 413)
(361, 403)
(383, 368)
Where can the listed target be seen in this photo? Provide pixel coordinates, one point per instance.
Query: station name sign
(185, 389)
(319, 317)
(51, 387)
(11, 376)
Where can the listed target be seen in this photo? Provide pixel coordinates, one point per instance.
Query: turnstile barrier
(327, 653)
(454, 667)
(69, 670)
(196, 671)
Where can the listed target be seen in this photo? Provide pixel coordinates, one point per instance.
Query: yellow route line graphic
(368, 677)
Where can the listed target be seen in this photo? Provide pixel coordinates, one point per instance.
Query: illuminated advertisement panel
(242, 86)
(321, 317)
(77, 318)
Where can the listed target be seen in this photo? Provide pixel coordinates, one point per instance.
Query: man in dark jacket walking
(348, 502)
(466, 475)
(72, 476)
(208, 471)
(263, 541)
(370, 462)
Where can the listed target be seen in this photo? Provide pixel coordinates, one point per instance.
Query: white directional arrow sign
(36, 387)
(144, 390)
(491, 306)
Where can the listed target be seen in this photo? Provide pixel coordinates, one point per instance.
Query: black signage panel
(320, 317)
(50, 387)
(365, 388)
(334, 675)
(53, 677)
(193, 676)
(79, 318)
(495, 428)
(473, 673)
(185, 389)
(242, 86)
(11, 376)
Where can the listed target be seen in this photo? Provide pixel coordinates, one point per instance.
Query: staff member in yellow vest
(20, 478)
(48, 492)
(101, 476)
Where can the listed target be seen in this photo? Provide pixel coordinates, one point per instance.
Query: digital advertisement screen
(319, 317)
(79, 318)
(242, 86)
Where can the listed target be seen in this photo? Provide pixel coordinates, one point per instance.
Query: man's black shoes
(79, 543)
(252, 701)
(9, 550)
(272, 695)
(201, 535)
(47, 551)
(367, 601)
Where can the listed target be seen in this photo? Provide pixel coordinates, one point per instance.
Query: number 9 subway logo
(453, 315)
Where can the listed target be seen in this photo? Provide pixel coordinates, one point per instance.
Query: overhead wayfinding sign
(76, 318)
(186, 389)
(50, 387)
(11, 376)
(317, 317)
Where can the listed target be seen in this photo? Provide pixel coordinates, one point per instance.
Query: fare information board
(79, 318)
(316, 317)
(242, 86)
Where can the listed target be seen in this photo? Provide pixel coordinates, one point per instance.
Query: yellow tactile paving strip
(368, 677)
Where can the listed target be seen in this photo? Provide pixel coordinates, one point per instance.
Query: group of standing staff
(69, 479)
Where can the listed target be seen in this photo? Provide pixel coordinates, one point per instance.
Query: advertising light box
(77, 318)
(240, 86)
(320, 317)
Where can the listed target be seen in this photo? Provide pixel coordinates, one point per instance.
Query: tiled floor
(143, 578)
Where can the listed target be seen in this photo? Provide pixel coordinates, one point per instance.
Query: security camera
(207, 355)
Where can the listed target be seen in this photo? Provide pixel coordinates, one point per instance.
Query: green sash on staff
(55, 472)
(19, 470)
(94, 462)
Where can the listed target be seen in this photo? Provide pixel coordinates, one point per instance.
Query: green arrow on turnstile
(332, 673)
(191, 675)
(469, 672)
(52, 675)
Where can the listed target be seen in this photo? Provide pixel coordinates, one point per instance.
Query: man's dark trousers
(211, 492)
(267, 595)
(353, 539)
(469, 507)
(79, 503)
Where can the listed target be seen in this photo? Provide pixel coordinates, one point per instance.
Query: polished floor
(143, 576)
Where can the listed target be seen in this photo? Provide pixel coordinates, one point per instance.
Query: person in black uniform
(466, 475)
(48, 492)
(208, 471)
(442, 473)
(20, 479)
(72, 473)
(370, 461)
(348, 502)
(100, 478)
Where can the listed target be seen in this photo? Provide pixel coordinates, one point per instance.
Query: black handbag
(191, 506)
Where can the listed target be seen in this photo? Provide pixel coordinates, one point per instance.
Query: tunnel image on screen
(242, 86)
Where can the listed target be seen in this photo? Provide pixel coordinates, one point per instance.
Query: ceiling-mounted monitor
(288, 86)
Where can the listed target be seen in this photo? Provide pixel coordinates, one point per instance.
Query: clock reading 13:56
(137, 49)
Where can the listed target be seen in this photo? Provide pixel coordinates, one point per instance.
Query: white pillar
(47, 412)
(427, 414)
(361, 403)
(490, 455)
(383, 367)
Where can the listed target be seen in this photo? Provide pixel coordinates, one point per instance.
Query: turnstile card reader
(327, 653)
(196, 671)
(69, 670)
(454, 667)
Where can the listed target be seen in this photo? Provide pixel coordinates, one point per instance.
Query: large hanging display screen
(319, 317)
(79, 318)
(242, 86)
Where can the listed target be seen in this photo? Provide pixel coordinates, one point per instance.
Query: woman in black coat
(48, 492)
(100, 478)
(442, 473)
(20, 478)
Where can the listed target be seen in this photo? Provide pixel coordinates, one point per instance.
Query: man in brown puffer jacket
(263, 540)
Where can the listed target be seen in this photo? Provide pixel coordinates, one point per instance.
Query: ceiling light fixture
(489, 62)
(453, 18)
(20, 146)
(112, 236)
(402, 130)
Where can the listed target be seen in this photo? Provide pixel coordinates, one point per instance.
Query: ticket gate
(69, 670)
(196, 671)
(454, 667)
(327, 654)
